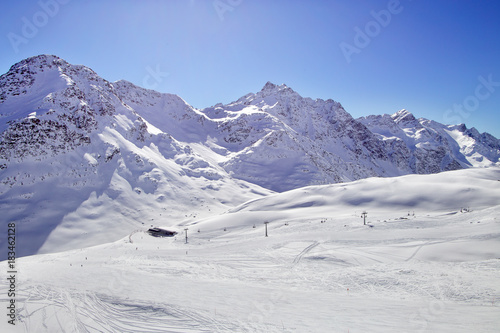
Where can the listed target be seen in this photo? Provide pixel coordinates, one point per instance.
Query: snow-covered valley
(85, 161)
(427, 261)
(87, 166)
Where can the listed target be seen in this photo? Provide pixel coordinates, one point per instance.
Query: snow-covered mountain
(421, 264)
(307, 141)
(75, 156)
(76, 150)
(431, 147)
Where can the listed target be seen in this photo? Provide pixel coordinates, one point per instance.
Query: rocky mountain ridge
(76, 148)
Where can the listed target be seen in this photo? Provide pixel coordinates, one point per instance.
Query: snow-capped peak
(403, 116)
(274, 90)
(64, 129)
(271, 87)
(85, 162)
(40, 61)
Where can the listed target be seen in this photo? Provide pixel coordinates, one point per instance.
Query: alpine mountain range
(77, 149)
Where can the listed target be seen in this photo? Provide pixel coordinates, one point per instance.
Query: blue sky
(439, 59)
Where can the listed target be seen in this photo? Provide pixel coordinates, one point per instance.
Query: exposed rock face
(74, 153)
(274, 138)
(67, 134)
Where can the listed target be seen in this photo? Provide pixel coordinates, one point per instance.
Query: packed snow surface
(85, 161)
(88, 165)
(428, 260)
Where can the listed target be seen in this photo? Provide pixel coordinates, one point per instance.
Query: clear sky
(439, 59)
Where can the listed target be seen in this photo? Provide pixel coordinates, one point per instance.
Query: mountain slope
(288, 141)
(420, 265)
(84, 160)
(433, 147)
(80, 167)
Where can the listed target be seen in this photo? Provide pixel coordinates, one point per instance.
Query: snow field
(319, 270)
(108, 160)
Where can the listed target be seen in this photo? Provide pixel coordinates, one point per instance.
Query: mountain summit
(76, 149)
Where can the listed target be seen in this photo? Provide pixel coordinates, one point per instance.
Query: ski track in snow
(57, 309)
(320, 270)
(304, 252)
(87, 162)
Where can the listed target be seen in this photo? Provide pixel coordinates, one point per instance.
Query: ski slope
(427, 261)
(85, 161)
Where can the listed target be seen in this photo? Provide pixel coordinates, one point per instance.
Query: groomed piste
(427, 260)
